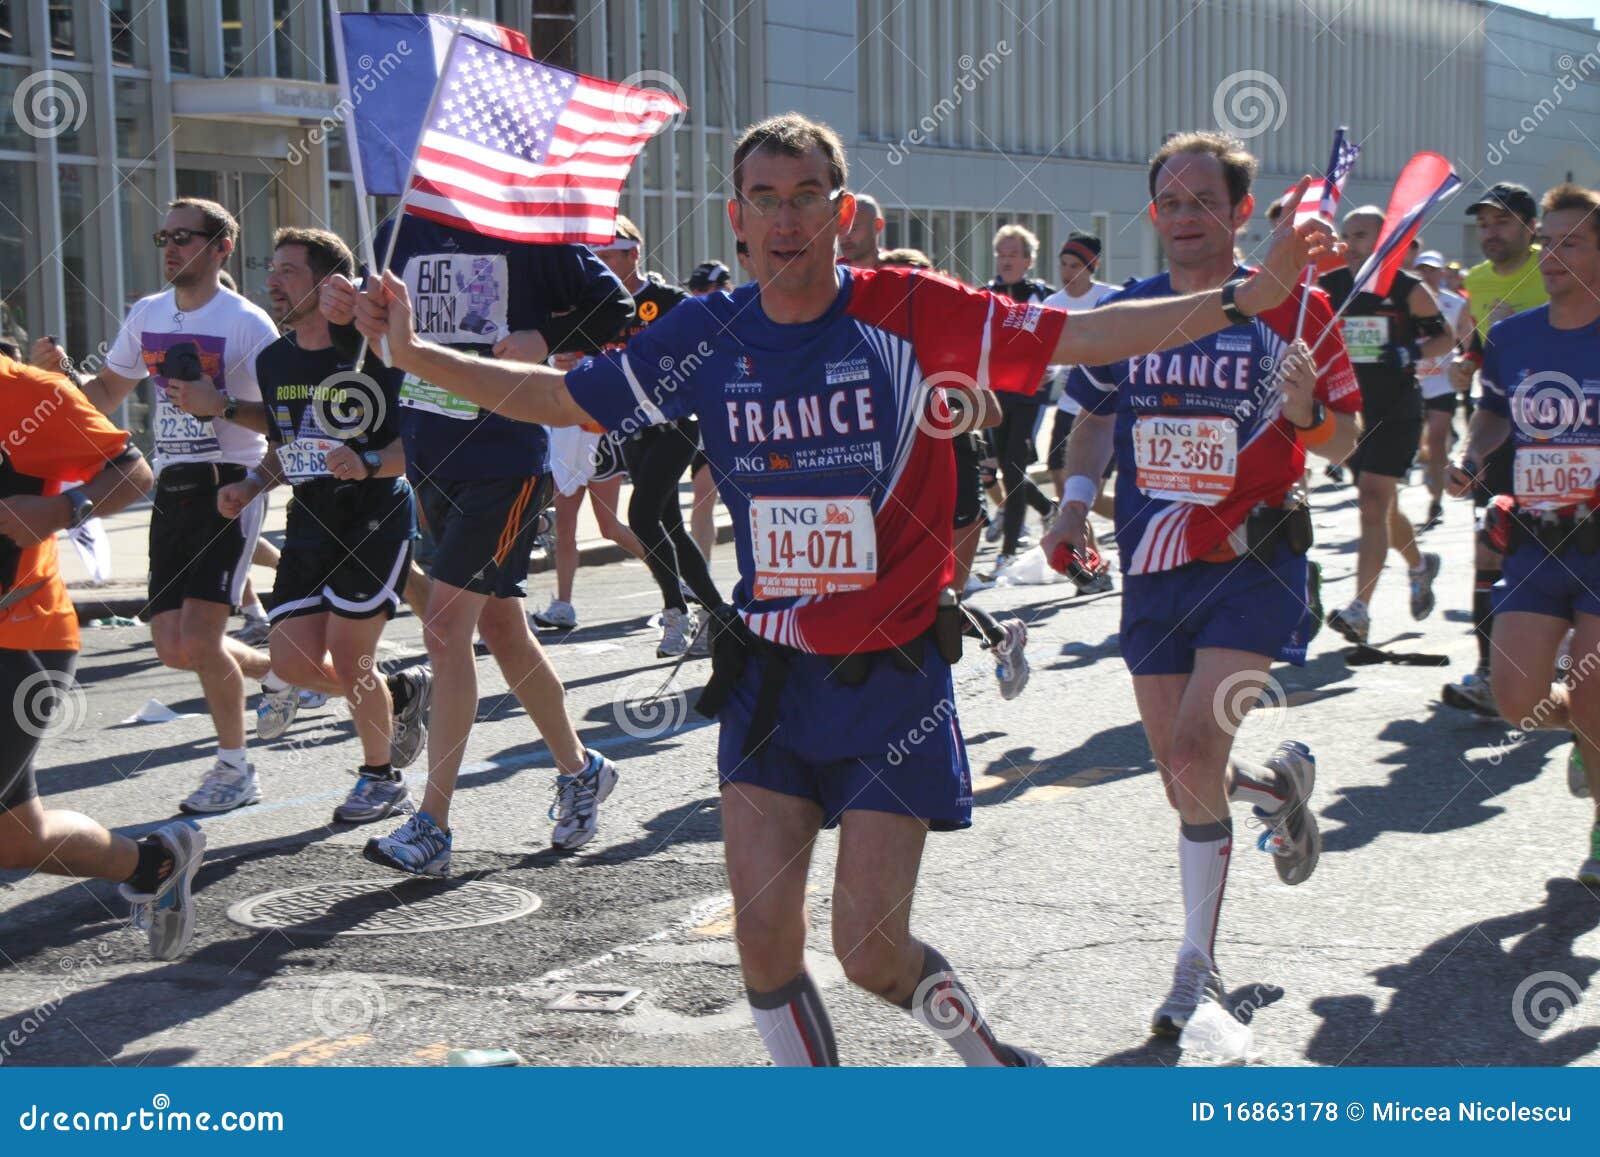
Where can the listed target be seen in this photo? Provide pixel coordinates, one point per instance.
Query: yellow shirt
(1522, 289)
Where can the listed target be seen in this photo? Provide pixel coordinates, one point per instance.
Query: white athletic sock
(234, 757)
(1203, 854)
(942, 1004)
(272, 683)
(794, 1024)
(254, 611)
(1256, 784)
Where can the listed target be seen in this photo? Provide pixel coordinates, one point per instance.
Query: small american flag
(1321, 202)
(518, 149)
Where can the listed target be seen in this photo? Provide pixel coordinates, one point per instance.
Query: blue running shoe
(416, 847)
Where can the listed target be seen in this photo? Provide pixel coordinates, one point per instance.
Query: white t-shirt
(228, 331)
(1433, 373)
(1098, 291)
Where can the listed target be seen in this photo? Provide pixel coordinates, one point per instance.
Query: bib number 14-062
(1555, 476)
(812, 546)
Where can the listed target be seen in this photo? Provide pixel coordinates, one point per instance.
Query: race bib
(306, 458)
(1186, 459)
(1365, 337)
(416, 394)
(459, 298)
(181, 437)
(1548, 477)
(812, 546)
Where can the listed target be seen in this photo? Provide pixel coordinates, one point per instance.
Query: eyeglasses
(810, 201)
(180, 237)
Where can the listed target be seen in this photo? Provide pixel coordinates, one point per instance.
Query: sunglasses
(180, 237)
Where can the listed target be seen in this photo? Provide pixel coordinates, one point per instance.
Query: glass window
(69, 29)
(80, 238)
(55, 104)
(21, 296)
(141, 217)
(233, 49)
(342, 214)
(178, 34)
(13, 29)
(288, 59)
(135, 120)
(127, 46)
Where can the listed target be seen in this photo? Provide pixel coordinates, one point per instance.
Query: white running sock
(1203, 854)
(234, 757)
(254, 611)
(272, 683)
(794, 1024)
(1256, 784)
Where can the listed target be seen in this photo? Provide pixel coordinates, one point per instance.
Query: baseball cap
(1432, 258)
(1512, 198)
(709, 274)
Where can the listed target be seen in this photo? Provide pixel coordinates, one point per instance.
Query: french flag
(1427, 181)
(389, 65)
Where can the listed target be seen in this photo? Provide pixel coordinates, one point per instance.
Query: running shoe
(1471, 694)
(1011, 659)
(254, 632)
(276, 712)
(1334, 473)
(409, 726)
(1026, 1058)
(1590, 872)
(995, 529)
(558, 616)
(1577, 777)
(700, 643)
(975, 584)
(1292, 834)
(416, 846)
(676, 626)
(372, 799)
(310, 699)
(1002, 563)
(224, 788)
(1352, 622)
(1422, 600)
(1194, 980)
(576, 809)
(1101, 584)
(167, 914)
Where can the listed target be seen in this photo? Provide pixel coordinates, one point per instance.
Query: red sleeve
(50, 429)
(1337, 387)
(961, 336)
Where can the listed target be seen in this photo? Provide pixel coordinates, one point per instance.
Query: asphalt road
(1442, 927)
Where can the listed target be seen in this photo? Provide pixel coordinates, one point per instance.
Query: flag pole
(353, 144)
(405, 186)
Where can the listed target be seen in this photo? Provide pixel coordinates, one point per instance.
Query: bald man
(859, 247)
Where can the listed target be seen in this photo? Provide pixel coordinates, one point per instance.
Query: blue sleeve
(1094, 388)
(652, 379)
(589, 307)
(1492, 388)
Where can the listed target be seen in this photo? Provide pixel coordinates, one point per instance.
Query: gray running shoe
(372, 799)
(1422, 600)
(1292, 835)
(276, 712)
(576, 810)
(167, 914)
(676, 626)
(1194, 980)
(1011, 659)
(409, 728)
(224, 788)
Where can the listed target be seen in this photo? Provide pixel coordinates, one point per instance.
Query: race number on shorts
(812, 546)
(1548, 477)
(306, 458)
(1186, 459)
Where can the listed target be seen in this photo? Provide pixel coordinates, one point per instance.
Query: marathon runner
(53, 436)
(1384, 338)
(347, 544)
(832, 683)
(482, 480)
(199, 341)
(1541, 396)
(1210, 436)
(861, 247)
(1506, 282)
(1439, 397)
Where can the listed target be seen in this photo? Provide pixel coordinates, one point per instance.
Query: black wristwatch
(1319, 415)
(230, 409)
(82, 508)
(1233, 313)
(372, 460)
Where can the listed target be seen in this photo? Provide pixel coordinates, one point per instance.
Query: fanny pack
(187, 477)
(1507, 527)
(1268, 529)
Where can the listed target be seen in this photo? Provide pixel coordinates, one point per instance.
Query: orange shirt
(49, 434)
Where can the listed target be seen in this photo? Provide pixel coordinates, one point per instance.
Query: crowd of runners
(437, 422)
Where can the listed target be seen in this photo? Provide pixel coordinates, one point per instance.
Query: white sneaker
(167, 914)
(576, 809)
(1195, 981)
(1352, 622)
(558, 616)
(1292, 834)
(224, 788)
(700, 644)
(276, 712)
(311, 698)
(675, 628)
(1011, 659)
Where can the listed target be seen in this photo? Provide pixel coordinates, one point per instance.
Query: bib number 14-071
(812, 546)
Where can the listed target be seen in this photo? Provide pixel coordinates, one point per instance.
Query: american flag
(1321, 202)
(518, 149)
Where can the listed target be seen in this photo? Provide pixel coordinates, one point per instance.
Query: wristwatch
(1319, 415)
(373, 461)
(82, 508)
(1233, 313)
(230, 409)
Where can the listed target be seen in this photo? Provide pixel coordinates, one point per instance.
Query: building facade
(960, 115)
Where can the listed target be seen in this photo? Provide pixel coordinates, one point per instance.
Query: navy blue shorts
(1244, 605)
(1533, 581)
(891, 744)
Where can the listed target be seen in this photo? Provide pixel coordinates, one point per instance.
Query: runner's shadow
(1110, 755)
(697, 822)
(1433, 788)
(1497, 992)
(1077, 654)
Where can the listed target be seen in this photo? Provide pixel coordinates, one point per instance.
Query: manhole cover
(383, 907)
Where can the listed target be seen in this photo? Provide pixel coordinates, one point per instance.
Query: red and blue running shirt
(1200, 434)
(825, 438)
(1547, 381)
